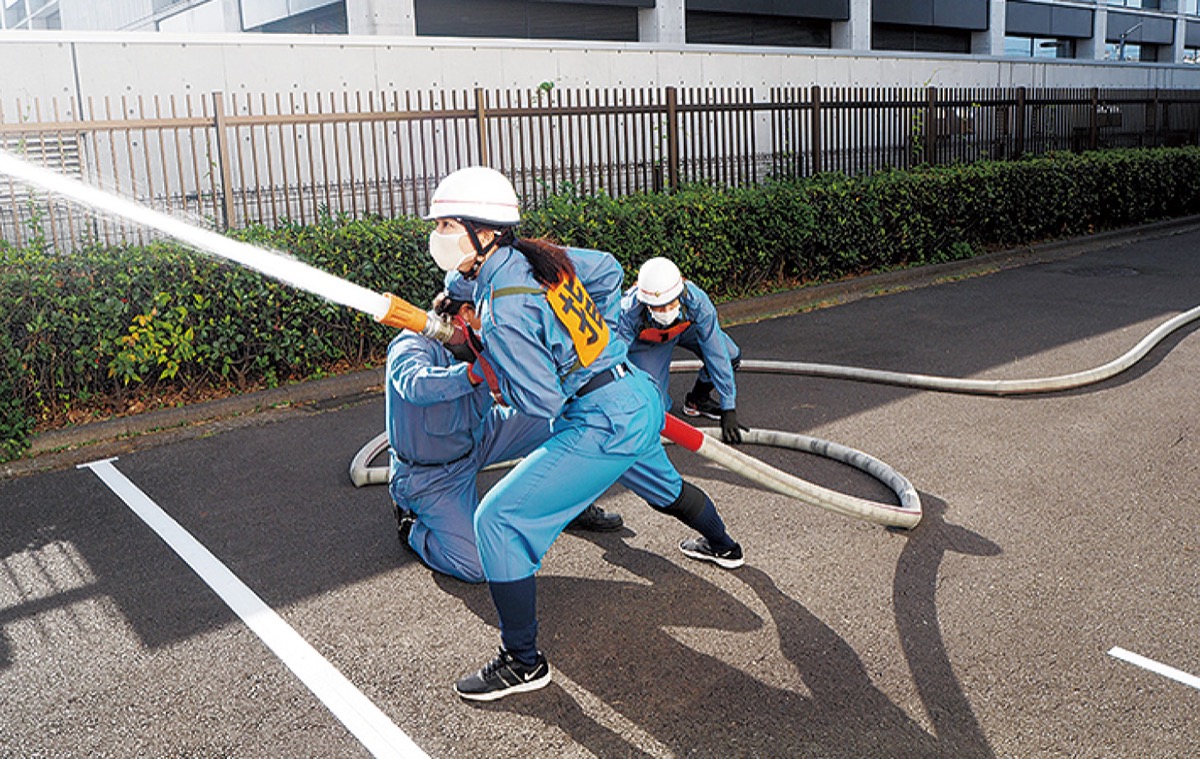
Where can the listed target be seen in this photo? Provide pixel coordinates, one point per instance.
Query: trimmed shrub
(102, 323)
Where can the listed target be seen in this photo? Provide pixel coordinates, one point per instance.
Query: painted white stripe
(361, 717)
(1153, 666)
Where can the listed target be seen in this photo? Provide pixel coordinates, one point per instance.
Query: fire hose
(1000, 387)
(702, 442)
(905, 514)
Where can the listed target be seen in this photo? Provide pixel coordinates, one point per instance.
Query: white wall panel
(149, 67)
(163, 64)
(628, 68)
(403, 68)
(298, 68)
(36, 70)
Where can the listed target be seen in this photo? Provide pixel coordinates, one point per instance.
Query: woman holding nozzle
(548, 329)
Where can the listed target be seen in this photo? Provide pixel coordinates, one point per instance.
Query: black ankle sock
(516, 605)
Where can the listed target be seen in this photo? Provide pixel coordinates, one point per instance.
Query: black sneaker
(502, 676)
(698, 548)
(405, 519)
(702, 406)
(596, 519)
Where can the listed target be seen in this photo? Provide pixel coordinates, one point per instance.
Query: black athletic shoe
(405, 519)
(596, 519)
(698, 548)
(502, 676)
(701, 406)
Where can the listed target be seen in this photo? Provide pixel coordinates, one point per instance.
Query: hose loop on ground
(908, 513)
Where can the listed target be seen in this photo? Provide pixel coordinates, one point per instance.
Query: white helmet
(476, 193)
(659, 282)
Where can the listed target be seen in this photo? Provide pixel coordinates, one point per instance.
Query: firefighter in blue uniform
(549, 349)
(443, 428)
(664, 310)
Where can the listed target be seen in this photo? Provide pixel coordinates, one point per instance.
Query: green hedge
(738, 242)
(102, 323)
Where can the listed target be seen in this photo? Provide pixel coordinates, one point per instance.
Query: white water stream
(271, 263)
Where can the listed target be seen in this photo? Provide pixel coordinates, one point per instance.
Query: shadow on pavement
(66, 538)
(915, 603)
(613, 640)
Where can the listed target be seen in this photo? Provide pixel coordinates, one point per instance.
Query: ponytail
(549, 260)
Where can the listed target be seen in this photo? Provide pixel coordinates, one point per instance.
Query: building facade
(1159, 31)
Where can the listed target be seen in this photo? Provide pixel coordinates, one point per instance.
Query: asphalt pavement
(222, 589)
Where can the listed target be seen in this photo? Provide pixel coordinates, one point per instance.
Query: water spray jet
(385, 308)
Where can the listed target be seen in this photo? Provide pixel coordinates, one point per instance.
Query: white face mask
(665, 318)
(445, 251)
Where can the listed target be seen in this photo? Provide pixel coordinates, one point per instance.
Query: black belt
(407, 462)
(602, 379)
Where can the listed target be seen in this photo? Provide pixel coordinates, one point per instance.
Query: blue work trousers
(608, 436)
(445, 497)
(655, 359)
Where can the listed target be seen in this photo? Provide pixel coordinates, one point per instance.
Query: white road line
(365, 721)
(1153, 666)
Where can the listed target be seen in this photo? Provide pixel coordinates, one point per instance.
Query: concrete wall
(78, 66)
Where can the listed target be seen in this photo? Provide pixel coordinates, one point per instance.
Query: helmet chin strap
(481, 251)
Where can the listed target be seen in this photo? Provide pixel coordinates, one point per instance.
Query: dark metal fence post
(1152, 120)
(1094, 120)
(222, 141)
(1019, 128)
(672, 138)
(481, 125)
(930, 126)
(816, 129)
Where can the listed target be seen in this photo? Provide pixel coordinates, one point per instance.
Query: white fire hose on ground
(908, 512)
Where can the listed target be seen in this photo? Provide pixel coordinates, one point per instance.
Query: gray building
(1162, 31)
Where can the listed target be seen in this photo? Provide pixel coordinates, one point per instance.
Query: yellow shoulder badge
(583, 320)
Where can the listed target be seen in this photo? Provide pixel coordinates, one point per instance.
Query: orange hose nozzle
(403, 315)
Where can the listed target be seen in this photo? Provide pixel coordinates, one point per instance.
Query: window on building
(1191, 56)
(1130, 51)
(14, 14)
(523, 19)
(32, 14)
(1147, 4)
(919, 39)
(1190, 7)
(1038, 47)
(748, 29)
(328, 20)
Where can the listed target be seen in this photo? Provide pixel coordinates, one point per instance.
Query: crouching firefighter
(664, 310)
(443, 427)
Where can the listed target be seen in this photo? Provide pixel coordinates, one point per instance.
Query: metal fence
(229, 160)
